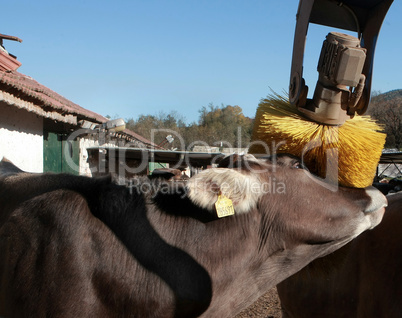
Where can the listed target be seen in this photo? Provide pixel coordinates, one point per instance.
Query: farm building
(41, 130)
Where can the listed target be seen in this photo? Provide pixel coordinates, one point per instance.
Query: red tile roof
(27, 89)
(7, 62)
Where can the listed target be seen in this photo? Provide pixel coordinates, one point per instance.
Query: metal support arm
(362, 16)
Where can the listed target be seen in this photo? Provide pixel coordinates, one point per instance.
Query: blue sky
(125, 58)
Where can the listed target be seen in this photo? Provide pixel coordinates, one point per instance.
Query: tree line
(224, 126)
(228, 127)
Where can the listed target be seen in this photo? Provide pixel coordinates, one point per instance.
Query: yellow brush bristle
(349, 153)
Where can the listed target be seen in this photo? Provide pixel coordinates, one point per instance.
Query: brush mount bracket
(345, 65)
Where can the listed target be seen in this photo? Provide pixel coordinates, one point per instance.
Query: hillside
(388, 96)
(386, 108)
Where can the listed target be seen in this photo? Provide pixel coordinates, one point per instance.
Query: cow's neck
(230, 251)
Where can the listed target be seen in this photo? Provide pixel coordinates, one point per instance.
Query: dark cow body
(394, 185)
(363, 279)
(80, 247)
(59, 243)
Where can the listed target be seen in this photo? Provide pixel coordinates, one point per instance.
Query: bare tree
(388, 112)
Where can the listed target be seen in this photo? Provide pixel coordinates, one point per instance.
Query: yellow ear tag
(224, 206)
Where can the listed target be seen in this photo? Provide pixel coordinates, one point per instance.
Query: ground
(267, 306)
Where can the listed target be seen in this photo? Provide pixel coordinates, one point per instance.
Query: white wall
(84, 165)
(21, 138)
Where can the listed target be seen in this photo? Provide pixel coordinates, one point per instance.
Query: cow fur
(363, 279)
(76, 246)
(243, 190)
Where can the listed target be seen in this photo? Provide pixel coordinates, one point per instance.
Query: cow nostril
(377, 200)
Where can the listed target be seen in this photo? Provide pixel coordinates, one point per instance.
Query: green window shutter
(70, 149)
(51, 152)
(57, 150)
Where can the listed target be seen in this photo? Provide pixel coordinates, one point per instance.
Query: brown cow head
(302, 217)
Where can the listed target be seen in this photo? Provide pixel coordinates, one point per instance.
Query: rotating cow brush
(324, 131)
(347, 154)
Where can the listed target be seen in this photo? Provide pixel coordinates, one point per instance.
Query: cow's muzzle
(377, 200)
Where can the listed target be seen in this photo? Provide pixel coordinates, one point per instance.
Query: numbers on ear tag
(224, 206)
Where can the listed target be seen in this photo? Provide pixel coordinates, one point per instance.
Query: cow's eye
(298, 165)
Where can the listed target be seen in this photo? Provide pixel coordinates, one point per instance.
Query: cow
(363, 279)
(73, 246)
(168, 174)
(392, 186)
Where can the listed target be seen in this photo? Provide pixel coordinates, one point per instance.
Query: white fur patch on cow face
(243, 189)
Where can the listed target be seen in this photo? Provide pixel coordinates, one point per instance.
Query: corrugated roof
(24, 88)
(187, 158)
(391, 157)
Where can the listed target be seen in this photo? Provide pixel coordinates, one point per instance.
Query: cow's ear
(7, 168)
(243, 189)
